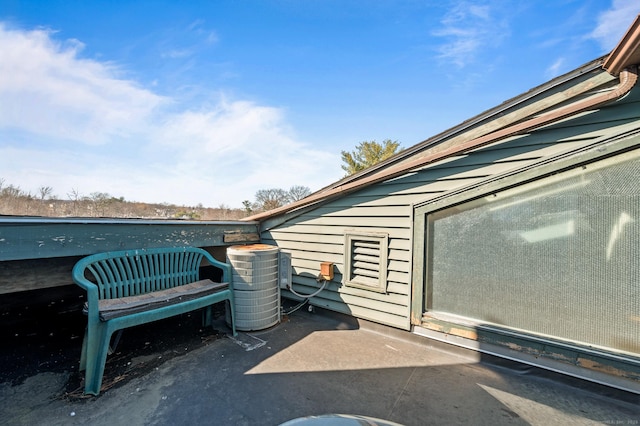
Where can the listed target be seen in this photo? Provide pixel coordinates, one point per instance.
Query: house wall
(317, 234)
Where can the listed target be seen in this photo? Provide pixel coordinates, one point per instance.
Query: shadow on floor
(174, 372)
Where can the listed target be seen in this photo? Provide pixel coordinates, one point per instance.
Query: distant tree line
(268, 199)
(15, 201)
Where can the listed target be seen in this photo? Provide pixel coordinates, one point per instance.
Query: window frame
(502, 183)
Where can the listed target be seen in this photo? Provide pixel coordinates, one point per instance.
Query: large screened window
(558, 257)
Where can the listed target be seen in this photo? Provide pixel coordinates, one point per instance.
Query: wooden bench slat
(121, 306)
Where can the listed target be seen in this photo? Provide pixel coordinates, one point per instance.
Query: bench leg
(207, 316)
(232, 313)
(83, 354)
(95, 349)
(116, 340)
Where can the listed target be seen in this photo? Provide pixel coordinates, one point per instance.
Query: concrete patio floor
(314, 364)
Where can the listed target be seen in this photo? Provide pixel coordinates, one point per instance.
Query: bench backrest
(133, 272)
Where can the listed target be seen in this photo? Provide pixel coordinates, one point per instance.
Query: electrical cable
(308, 296)
(305, 297)
(295, 308)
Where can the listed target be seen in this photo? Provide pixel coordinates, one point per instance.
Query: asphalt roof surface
(311, 364)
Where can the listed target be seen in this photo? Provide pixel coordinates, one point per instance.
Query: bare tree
(74, 195)
(12, 191)
(298, 192)
(75, 198)
(268, 199)
(45, 192)
(100, 201)
(248, 206)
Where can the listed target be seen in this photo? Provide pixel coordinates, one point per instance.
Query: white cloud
(468, 28)
(613, 23)
(208, 36)
(176, 53)
(230, 126)
(186, 42)
(74, 123)
(555, 69)
(48, 90)
(239, 147)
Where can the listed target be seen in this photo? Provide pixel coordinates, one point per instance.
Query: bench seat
(122, 306)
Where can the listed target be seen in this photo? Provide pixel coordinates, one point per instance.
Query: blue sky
(206, 102)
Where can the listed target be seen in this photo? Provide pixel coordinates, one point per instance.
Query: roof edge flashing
(626, 52)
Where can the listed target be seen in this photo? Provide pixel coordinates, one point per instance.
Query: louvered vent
(366, 261)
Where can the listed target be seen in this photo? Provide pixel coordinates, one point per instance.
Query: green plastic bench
(133, 287)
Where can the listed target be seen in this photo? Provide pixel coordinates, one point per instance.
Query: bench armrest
(90, 288)
(225, 267)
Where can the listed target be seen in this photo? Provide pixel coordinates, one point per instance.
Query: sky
(206, 102)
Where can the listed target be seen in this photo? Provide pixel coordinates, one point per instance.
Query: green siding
(317, 234)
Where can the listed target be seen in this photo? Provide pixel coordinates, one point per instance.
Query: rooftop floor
(314, 364)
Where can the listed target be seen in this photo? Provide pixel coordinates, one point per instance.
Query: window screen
(558, 257)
